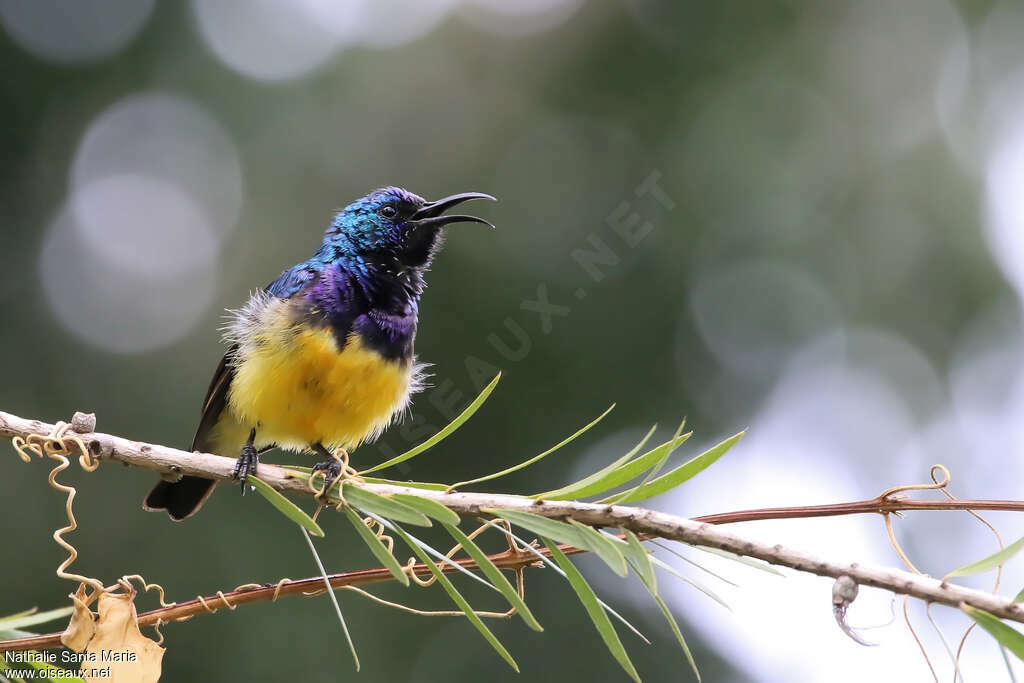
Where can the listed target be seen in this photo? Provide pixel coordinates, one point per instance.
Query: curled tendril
(58, 445)
(941, 478)
(347, 474)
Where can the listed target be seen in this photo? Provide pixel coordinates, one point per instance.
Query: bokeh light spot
(73, 32)
(129, 264)
(752, 316)
(168, 137)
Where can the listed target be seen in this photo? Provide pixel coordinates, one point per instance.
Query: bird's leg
(247, 461)
(331, 466)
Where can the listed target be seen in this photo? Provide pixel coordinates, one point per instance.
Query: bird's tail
(181, 498)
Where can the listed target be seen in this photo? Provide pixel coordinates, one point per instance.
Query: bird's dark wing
(216, 399)
(292, 281)
(289, 283)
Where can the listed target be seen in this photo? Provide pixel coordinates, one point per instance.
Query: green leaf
(678, 633)
(378, 548)
(14, 633)
(748, 561)
(1010, 638)
(604, 547)
(595, 483)
(1020, 596)
(990, 562)
(686, 579)
(457, 598)
(641, 559)
(666, 612)
(441, 435)
(687, 470)
(542, 526)
(573, 533)
(429, 486)
(631, 470)
(285, 506)
(332, 596)
(430, 508)
(498, 579)
(535, 458)
(526, 547)
(693, 563)
(62, 676)
(384, 506)
(30, 618)
(18, 615)
(651, 474)
(597, 615)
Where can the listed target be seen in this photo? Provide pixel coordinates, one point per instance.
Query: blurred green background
(804, 217)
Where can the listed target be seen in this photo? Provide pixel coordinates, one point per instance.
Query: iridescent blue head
(392, 224)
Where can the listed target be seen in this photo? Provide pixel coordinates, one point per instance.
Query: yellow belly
(297, 388)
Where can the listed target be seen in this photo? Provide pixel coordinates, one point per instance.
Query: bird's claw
(332, 470)
(246, 465)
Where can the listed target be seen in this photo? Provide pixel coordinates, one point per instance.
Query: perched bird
(323, 357)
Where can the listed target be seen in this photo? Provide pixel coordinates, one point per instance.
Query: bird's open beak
(429, 215)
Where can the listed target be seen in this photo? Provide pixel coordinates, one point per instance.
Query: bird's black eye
(387, 211)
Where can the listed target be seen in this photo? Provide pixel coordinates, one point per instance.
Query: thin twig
(271, 591)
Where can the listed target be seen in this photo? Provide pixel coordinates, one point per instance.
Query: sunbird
(322, 359)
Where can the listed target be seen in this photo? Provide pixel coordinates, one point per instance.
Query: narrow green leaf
(633, 469)
(498, 579)
(597, 615)
(333, 597)
(693, 563)
(594, 483)
(748, 561)
(31, 618)
(554, 567)
(457, 598)
(378, 548)
(1019, 596)
(988, 563)
(431, 508)
(527, 463)
(687, 470)
(573, 533)
(384, 506)
(285, 506)
(642, 559)
(19, 615)
(13, 633)
(441, 435)
(667, 613)
(1010, 638)
(686, 579)
(429, 486)
(678, 633)
(603, 547)
(542, 526)
(652, 473)
(64, 674)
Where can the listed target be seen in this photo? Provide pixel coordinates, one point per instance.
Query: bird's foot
(332, 470)
(246, 465)
(335, 465)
